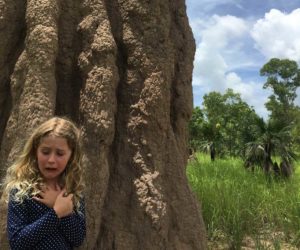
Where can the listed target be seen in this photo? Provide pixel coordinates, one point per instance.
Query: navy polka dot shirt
(33, 225)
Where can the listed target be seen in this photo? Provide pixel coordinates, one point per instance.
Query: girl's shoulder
(19, 196)
(13, 193)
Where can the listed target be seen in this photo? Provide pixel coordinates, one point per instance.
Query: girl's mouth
(50, 169)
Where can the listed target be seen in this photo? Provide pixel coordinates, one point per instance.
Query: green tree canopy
(225, 120)
(283, 78)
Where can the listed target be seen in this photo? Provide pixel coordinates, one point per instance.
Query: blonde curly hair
(24, 175)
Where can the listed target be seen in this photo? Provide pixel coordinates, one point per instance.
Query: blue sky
(235, 38)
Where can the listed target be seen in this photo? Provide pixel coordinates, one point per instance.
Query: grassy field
(244, 209)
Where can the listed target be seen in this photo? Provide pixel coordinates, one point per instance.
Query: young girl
(44, 190)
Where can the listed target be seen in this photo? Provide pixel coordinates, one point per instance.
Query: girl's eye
(60, 154)
(45, 152)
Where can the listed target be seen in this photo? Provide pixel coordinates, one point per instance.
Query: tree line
(228, 126)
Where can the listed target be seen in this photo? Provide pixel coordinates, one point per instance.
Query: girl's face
(53, 154)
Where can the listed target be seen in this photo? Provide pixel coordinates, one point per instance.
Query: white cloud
(216, 37)
(222, 29)
(221, 52)
(278, 35)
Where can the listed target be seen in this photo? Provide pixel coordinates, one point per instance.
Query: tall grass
(237, 203)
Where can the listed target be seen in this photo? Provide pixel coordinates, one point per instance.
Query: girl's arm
(73, 226)
(22, 235)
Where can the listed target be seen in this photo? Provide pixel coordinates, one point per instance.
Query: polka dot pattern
(32, 225)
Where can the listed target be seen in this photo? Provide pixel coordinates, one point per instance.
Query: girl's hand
(48, 195)
(63, 205)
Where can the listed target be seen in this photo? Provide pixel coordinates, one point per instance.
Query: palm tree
(272, 142)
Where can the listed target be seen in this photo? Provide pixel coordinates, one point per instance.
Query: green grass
(237, 203)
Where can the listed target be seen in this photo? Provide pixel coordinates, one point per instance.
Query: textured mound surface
(122, 70)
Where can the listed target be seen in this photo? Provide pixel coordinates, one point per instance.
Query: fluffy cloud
(278, 35)
(210, 59)
(221, 52)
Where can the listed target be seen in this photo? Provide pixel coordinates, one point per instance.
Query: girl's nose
(51, 157)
